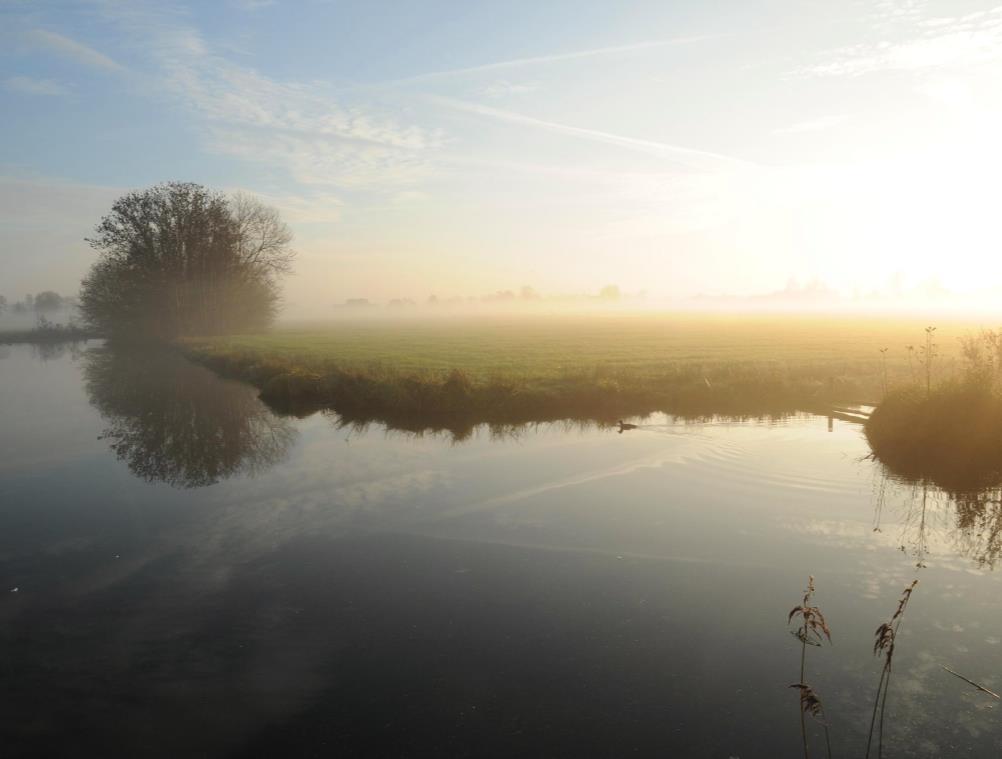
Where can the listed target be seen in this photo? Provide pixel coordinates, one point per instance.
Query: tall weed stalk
(885, 639)
(813, 631)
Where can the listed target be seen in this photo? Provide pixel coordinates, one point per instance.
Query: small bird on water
(624, 426)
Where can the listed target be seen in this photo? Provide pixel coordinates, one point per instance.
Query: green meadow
(455, 372)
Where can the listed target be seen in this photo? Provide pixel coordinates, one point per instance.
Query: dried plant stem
(813, 630)
(876, 704)
(887, 635)
(883, 708)
(980, 687)
(803, 717)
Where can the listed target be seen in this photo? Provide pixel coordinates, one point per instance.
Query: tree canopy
(48, 301)
(179, 259)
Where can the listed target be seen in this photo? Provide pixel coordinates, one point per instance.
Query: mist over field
(500, 379)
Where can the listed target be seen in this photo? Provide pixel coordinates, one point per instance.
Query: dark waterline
(196, 576)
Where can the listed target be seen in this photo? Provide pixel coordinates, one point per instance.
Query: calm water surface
(197, 576)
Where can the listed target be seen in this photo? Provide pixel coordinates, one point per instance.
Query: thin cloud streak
(28, 85)
(553, 58)
(700, 159)
(70, 48)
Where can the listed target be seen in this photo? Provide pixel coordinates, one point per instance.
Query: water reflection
(355, 425)
(409, 577)
(174, 422)
(932, 519)
(964, 471)
(497, 433)
(53, 351)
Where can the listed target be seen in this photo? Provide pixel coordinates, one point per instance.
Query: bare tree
(262, 238)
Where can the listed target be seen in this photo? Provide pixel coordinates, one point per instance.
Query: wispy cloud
(890, 11)
(74, 50)
(959, 41)
(504, 88)
(320, 207)
(812, 125)
(305, 128)
(251, 5)
(31, 86)
(695, 158)
(322, 160)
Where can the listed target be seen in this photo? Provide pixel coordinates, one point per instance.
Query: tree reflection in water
(174, 422)
(358, 425)
(968, 521)
(979, 526)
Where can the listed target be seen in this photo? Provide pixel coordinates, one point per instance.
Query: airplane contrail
(699, 158)
(552, 58)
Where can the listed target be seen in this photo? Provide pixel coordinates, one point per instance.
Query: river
(184, 572)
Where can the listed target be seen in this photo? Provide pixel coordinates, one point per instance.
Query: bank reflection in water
(174, 422)
(419, 427)
(935, 521)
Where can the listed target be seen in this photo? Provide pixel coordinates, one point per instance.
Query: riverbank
(52, 333)
(947, 432)
(418, 374)
(950, 436)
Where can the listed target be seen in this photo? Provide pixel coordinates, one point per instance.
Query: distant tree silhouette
(24, 306)
(179, 259)
(48, 302)
(3, 304)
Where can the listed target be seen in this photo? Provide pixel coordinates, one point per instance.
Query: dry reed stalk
(980, 687)
(885, 638)
(813, 631)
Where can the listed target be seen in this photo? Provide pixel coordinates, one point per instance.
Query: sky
(458, 148)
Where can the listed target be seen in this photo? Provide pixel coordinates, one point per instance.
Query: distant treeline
(46, 332)
(46, 302)
(526, 296)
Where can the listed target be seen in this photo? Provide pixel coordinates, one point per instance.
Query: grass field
(453, 373)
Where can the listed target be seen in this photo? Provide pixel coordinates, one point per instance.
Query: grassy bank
(453, 374)
(47, 334)
(947, 432)
(951, 436)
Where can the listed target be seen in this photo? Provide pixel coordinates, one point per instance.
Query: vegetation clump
(814, 631)
(178, 259)
(950, 432)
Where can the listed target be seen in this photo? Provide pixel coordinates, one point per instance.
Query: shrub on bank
(950, 433)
